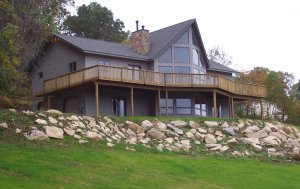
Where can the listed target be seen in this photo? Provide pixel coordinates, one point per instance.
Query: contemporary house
(165, 72)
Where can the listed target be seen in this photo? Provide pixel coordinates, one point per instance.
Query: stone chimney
(140, 40)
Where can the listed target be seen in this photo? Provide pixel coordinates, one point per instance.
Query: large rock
(229, 130)
(156, 134)
(201, 130)
(3, 125)
(258, 134)
(210, 139)
(271, 141)
(249, 140)
(93, 135)
(36, 135)
(51, 111)
(54, 132)
(41, 122)
(279, 135)
(251, 129)
(193, 124)
(161, 126)
(147, 124)
(175, 129)
(69, 131)
(52, 120)
(232, 142)
(135, 127)
(224, 148)
(179, 123)
(211, 123)
(200, 136)
(256, 147)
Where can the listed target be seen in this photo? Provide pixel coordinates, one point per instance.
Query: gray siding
(55, 62)
(92, 60)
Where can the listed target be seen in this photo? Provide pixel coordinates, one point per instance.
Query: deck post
(158, 103)
(48, 102)
(215, 103)
(97, 98)
(232, 107)
(131, 101)
(167, 106)
(229, 105)
(261, 109)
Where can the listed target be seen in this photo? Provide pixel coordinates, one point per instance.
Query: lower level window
(163, 106)
(119, 106)
(200, 109)
(184, 106)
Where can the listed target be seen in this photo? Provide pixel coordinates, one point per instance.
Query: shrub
(5, 102)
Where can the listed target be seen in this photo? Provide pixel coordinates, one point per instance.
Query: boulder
(185, 142)
(279, 135)
(147, 124)
(179, 123)
(161, 126)
(52, 120)
(229, 130)
(249, 140)
(219, 133)
(130, 132)
(271, 141)
(135, 127)
(18, 130)
(213, 145)
(258, 134)
(190, 135)
(193, 124)
(251, 129)
(271, 152)
(200, 137)
(52, 111)
(12, 110)
(156, 134)
(256, 147)
(110, 145)
(3, 125)
(36, 135)
(224, 125)
(232, 142)
(42, 115)
(224, 148)
(54, 132)
(169, 140)
(69, 131)
(210, 139)
(211, 123)
(145, 141)
(296, 151)
(81, 141)
(93, 135)
(41, 122)
(201, 130)
(175, 129)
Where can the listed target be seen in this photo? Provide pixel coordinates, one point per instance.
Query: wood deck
(150, 78)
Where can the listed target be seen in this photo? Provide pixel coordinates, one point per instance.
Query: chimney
(140, 40)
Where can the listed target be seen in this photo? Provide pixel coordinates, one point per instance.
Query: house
(165, 72)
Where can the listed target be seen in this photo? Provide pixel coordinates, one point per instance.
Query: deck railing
(144, 77)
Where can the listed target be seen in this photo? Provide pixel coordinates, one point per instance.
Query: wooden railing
(144, 77)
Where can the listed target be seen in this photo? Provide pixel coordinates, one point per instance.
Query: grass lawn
(67, 164)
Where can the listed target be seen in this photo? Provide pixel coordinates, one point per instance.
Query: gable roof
(215, 66)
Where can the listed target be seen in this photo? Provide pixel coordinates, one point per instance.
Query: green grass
(66, 164)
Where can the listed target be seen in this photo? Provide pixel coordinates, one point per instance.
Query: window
(184, 39)
(195, 42)
(40, 75)
(182, 69)
(196, 71)
(165, 69)
(196, 57)
(133, 72)
(163, 106)
(166, 57)
(182, 55)
(72, 66)
(134, 67)
(183, 106)
(104, 62)
(119, 106)
(200, 109)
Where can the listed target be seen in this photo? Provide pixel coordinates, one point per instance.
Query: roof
(215, 66)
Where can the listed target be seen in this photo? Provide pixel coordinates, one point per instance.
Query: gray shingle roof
(215, 66)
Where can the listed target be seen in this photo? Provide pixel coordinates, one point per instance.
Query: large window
(183, 106)
(182, 55)
(200, 109)
(184, 39)
(166, 57)
(196, 58)
(182, 69)
(165, 69)
(163, 106)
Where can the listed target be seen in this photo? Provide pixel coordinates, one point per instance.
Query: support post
(215, 103)
(232, 107)
(131, 101)
(97, 98)
(48, 102)
(167, 106)
(261, 109)
(229, 105)
(158, 103)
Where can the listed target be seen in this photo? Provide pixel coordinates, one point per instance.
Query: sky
(262, 33)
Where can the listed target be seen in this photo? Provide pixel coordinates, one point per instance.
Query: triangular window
(184, 39)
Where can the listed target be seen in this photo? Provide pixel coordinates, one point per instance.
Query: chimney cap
(143, 27)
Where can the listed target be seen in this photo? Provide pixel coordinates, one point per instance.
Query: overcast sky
(254, 32)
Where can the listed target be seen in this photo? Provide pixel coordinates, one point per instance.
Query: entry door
(71, 106)
(119, 106)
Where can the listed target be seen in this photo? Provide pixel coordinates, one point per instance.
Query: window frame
(72, 67)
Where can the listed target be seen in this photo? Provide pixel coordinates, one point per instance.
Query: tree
(95, 21)
(24, 27)
(218, 55)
